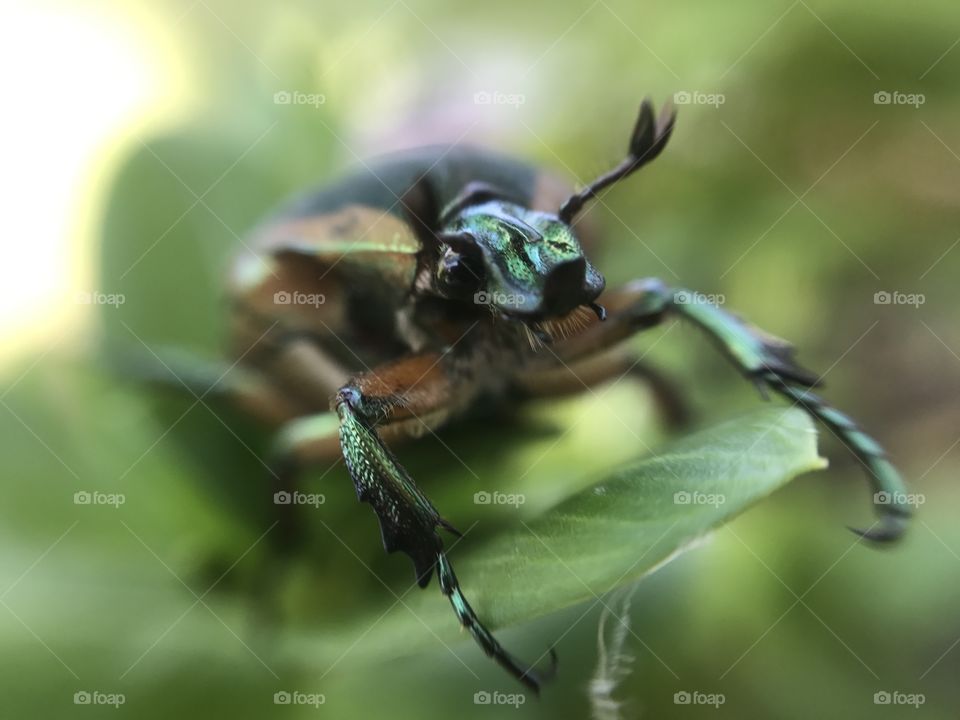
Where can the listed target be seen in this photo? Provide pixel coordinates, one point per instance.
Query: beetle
(392, 301)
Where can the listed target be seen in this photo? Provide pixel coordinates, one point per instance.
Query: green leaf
(612, 532)
(640, 516)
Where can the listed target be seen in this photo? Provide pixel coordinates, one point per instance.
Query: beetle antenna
(650, 135)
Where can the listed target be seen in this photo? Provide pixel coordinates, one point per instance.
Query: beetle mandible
(436, 277)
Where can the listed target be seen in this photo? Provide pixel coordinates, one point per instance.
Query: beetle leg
(762, 358)
(307, 439)
(210, 380)
(571, 379)
(404, 392)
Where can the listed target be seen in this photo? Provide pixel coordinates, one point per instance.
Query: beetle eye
(459, 273)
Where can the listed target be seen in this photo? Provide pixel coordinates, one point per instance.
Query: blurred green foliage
(798, 198)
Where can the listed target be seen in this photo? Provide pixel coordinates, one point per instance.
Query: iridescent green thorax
(532, 263)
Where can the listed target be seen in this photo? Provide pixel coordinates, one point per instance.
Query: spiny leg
(769, 360)
(408, 393)
(616, 364)
(762, 358)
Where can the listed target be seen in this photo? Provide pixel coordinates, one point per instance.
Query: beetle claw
(449, 528)
(889, 528)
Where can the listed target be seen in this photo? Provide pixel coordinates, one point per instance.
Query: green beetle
(392, 301)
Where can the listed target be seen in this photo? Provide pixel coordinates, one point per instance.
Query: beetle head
(525, 264)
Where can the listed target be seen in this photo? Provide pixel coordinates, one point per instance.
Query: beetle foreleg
(764, 359)
(403, 392)
(574, 378)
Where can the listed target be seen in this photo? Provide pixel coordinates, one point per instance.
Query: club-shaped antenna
(649, 137)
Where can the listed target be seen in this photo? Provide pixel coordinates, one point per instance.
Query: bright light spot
(72, 80)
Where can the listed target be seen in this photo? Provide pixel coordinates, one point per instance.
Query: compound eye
(459, 273)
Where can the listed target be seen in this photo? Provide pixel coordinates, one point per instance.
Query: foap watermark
(296, 97)
(84, 497)
(695, 697)
(484, 697)
(896, 697)
(899, 498)
(296, 497)
(896, 97)
(499, 299)
(296, 697)
(697, 97)
(882, 297)
(283, 297)
(96, 697)
(685, 497)
(498, 498)
(688, 297)
(495, 97)
(96, 297)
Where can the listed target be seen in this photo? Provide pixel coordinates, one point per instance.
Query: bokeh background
(143, 139)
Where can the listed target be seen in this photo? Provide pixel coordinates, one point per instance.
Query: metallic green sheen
(522, 249)
(769, 360)
(408, 520)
